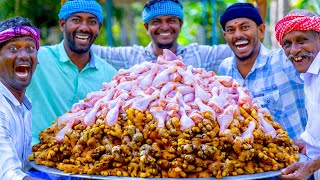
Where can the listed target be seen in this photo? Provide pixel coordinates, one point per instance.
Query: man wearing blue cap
(68, 71)
(163, 20)
(273, 81)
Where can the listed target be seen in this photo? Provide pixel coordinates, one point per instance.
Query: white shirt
(311, 135)
(15, 135)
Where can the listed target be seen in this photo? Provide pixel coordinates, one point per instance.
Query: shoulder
(227, 63)
(101, 63)
(226, 66)
(4, 109)
(44, 51)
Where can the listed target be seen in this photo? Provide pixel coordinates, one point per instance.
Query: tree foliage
(201, 23)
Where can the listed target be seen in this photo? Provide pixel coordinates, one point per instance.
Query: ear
(147, 27)
(62, 24)
(261, 29)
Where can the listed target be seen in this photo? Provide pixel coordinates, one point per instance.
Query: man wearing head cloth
(299, 35)
(68, 70)
(163, 20)
(19, 43)
(273, 83)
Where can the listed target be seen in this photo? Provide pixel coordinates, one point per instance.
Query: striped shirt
(199, 56)
(276, 85)
(15, 135)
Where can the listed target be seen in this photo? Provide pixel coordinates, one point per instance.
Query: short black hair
(15, 21)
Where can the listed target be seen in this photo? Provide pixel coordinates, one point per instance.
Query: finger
(288, 176)
(290, 169)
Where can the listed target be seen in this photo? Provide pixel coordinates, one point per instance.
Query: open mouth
(83, 38)
(165, 34)
(297, 59)
(241, 44)
(22, 70)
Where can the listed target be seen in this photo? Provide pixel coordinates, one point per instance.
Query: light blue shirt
(15, 135)
(57, 84)
(311, 83)
(199, 56)
(276, 85)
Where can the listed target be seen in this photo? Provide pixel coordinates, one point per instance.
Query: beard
(245, 57)
(165, 46)
(74, 47)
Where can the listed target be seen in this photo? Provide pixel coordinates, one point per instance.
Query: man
(299, 35)
(68, 71)
(19, 43)
(163, 21)
(273, 82)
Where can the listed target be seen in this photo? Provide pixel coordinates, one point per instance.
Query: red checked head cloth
(296, 22)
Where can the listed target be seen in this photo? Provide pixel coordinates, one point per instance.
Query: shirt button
(268, 101)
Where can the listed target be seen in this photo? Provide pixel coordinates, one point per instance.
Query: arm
(212, 56)
(10, 164)
(301, 170)
(119, 57)
(30, 178)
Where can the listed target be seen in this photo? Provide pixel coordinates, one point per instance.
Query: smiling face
(243, 36)
(301, 47)
(164, 31)
(80, 31)
(18, 60)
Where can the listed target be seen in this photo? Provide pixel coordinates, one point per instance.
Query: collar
(149, 51)
(65, 58)
(314, 66)
(10, 97)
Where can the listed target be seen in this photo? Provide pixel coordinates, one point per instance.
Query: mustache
(302, 54)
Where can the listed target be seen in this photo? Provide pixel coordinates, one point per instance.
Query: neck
(80, 60)
(245, 65)
(159, 51)
(18, 94)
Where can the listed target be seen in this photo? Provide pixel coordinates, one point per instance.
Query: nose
(165, 25)
(23, 54)
(84, 26)
(237, 34)
(295, 49)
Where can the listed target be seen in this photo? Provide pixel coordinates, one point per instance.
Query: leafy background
(201, 23)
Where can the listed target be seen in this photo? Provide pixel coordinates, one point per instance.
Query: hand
(300, 170)
(302, 146)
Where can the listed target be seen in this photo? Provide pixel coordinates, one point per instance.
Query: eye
(155, 22)
(245, 27)
(302, 40)
(93, 22)
(13, 48)
(230, 30)
(31, 48)
(286, 45)
(75, 20)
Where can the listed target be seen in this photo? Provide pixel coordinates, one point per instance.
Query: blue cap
(76, 6)
(162, 8)
(240, 10)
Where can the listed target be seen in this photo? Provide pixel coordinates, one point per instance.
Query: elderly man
(273, 82)
(299, 35)
(19, 43)
(163, 21)
(68, 71)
